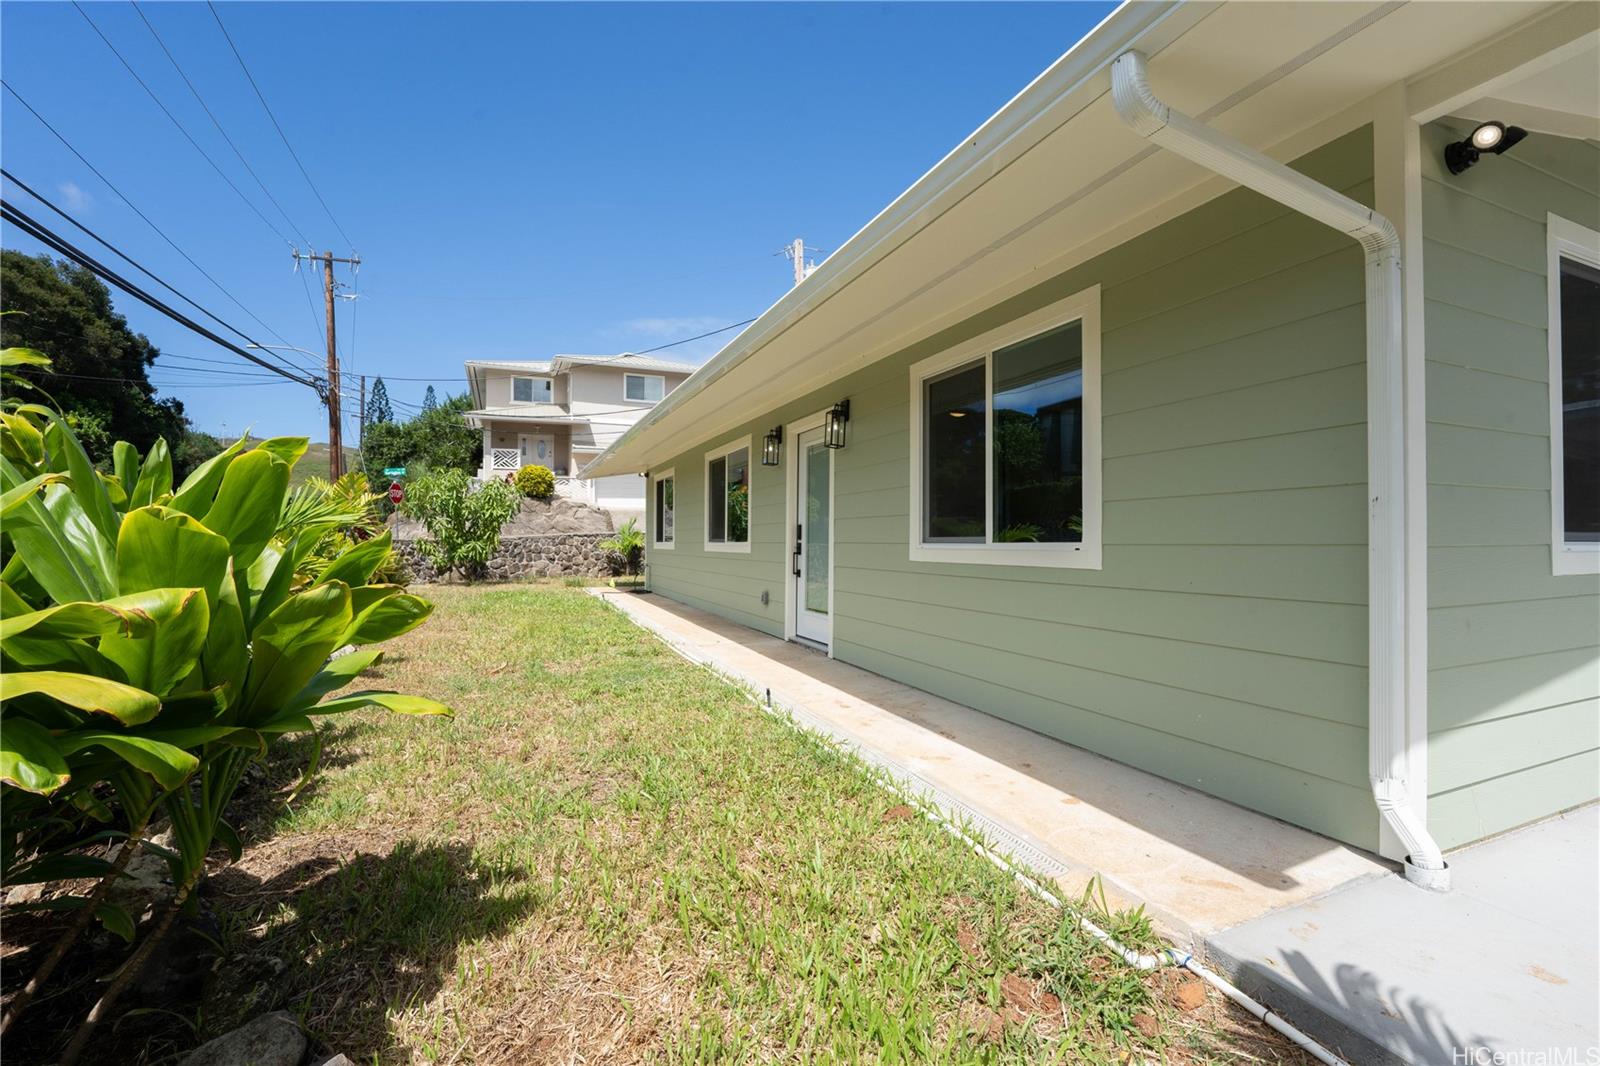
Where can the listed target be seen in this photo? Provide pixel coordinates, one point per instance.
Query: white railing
(575, 488)
(504, 460)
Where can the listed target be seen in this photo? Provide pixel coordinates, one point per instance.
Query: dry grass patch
(610, 856)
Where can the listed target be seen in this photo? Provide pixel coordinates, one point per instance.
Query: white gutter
(1388, 754)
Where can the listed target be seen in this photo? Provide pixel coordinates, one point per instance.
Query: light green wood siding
(1514, 652)
(1223, 644)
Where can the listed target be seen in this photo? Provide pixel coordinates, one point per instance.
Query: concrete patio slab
(1505, 961)
(1198, 864)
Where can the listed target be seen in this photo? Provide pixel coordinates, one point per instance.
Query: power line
(127, 258)
(686, 340)
(217, 123)
(285, 137)
(181, 129)
(45, 236)
(134, 208)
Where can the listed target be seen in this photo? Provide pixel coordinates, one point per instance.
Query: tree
(378, 409)
(101, 367)
(430, 401)
(439, 439)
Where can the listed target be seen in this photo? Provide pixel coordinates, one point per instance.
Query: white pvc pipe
(1388, 758)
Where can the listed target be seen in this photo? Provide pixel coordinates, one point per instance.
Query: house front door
(538, 449)
(813, 553)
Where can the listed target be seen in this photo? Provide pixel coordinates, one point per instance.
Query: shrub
(155, 642)
(463, 525)
(535, 481)
(628, 543)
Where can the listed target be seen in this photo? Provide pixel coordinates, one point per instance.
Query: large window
(531, 390)
(643, 388)
(1574, 283)
(661, 505)
(728, 497)
(1005, 443)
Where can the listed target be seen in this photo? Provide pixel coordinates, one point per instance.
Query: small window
(530, 390)
(661, 506)
(728, 497)
(1006, 442)
(1574, 287)
(643, 388)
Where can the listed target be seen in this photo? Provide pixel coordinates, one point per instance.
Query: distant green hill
(315, 461)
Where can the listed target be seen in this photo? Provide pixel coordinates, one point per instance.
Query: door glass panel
(816, 533)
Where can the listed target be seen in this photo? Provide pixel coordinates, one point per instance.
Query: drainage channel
(990, 838)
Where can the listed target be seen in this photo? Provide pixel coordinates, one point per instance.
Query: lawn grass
(611, 855)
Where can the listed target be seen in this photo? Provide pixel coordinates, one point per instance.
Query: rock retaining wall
(550, 555)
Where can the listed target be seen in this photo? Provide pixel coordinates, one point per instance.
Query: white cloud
(672, 327)
(73, 197)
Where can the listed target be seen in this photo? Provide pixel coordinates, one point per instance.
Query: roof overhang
(1054, 178)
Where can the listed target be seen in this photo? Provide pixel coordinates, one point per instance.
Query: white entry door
(538, 448)
(813, 551)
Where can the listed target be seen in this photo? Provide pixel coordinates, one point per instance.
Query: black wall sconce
(772, 447)
(833, 429)
(1494, 137)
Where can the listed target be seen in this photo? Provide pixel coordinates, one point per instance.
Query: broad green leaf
(226, 655)
(288, 722)
(76, 621)
(155, 476)
(159, 661)
(393, 701)
(389, 617)
(160, 548)
(355, 566)
(289, 449)
(64, 867)
(24, 442)
(11, 602)
(290, 645)
(98, 695)
(247, 504)
(116, 920)
(229, 838)
(67, 656)
(195, 495)
(336, 675)
(269, 580)
(59, 545)
(29, 759)
(86, 484)
(18, 496)
(23, 357)
(119, 498)
(171, 766)
(125, 464)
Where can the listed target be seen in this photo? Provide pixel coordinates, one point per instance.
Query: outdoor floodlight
(1494, 137)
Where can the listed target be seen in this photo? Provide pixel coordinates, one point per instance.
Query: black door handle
(797, 542)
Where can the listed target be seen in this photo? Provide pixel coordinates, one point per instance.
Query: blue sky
(519, 179)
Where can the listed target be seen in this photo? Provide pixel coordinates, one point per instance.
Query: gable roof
(1054, 178)
(625, 361)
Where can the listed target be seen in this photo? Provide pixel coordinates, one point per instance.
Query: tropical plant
(439, 439)
(628, 543)
(535, 481)
(343, 513)
(463, 525)
(154, 641)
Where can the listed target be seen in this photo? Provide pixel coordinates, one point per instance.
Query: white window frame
(1084, 555)
(643, 377)
(1565, 240)
(549, 386)
(720, 452)
(650, 502)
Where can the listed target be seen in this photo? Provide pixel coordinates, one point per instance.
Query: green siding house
(1195, 412)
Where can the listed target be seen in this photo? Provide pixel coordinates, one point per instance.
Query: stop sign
(397, 493)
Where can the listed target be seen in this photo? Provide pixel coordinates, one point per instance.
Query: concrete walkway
(1332, 936)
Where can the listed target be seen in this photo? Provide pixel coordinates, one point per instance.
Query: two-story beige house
(564, 412)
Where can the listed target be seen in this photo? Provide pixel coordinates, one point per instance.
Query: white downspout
(1386, 475)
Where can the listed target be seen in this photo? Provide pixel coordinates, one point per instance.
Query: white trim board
(654, 540)
(791, 493)
(1565, 240)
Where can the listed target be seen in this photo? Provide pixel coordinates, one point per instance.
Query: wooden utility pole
(335, 433)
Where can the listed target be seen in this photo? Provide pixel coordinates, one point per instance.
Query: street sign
(397, 493)
(394, 471)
